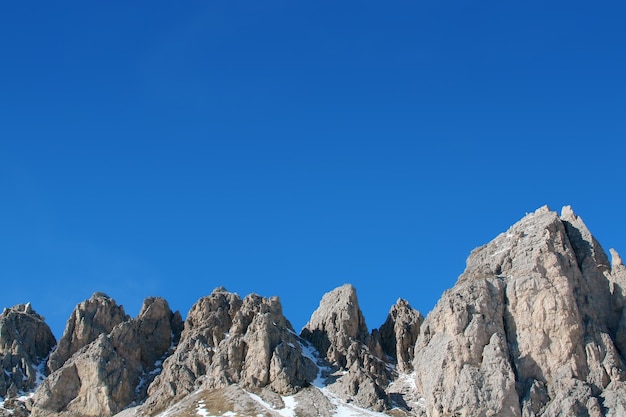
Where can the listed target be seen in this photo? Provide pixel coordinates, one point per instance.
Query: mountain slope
(535, 326)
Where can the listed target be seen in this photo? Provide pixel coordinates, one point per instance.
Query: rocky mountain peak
(227, 340)
(534, 326)
(338, 331)
(95, 316)
(400, 332)
(25, 343)
(114, 369)
(337, 322)
(531, 321)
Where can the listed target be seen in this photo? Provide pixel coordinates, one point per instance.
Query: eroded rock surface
(227, 340)
(25, 343)
(338, 331)
(91, 318)
(535, 326)
(527, 329)
(114, 370)
(399, 333)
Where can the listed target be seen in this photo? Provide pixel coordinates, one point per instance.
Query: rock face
(399, 333)
(338, 331)
(114, 370)
(529, 328)
(227, 340)
(336, 324)
(91, 318)
(534, 327)
(25, 343)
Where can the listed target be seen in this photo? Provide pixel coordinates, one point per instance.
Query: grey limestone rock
(399, 333)
(25, 343)
(226, 341)
(336, 324)
(528, 329)
(338, 331)
(91, 318)
(114, 370)
(534, 327)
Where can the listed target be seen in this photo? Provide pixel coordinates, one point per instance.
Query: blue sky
(288, 147)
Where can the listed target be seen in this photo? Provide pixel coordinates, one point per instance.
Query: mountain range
(534, 326)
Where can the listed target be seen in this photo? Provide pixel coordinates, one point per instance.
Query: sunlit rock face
(114, 370)
(535, 326)
(529, 329)
(229, 340)
(91, 318)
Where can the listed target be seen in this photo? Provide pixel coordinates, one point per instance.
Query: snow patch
(500, 251)
(290, 407)
(40, 370)
(343, 409)
(260, 401)
(310, 352)
(288, 411)
(201, 409)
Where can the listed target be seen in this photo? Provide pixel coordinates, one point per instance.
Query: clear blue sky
(287, 147)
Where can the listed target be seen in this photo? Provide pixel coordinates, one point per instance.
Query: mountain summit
(534, 326)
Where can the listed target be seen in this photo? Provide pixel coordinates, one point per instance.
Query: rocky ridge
(535, 326)
(228, 340)
(91, 318)
(114, 370)
(25, 343)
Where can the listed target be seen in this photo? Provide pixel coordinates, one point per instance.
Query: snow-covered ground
(202, 411)
(288, 411)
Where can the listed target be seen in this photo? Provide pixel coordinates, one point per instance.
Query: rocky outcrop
(336, 324)
(338, 331)
(526, 331)
(114, 370)
(227, 340)
(91, 318)
(25, 343)
(399, 333)
(618, 282)
(535, 326)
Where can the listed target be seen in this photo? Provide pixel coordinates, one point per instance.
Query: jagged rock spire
(95, 316)
(535, 326)
(112, 371)
(227, 340)
(25, 343)
(338, 331)
(527, 329)
(337, 322)
(400, 332)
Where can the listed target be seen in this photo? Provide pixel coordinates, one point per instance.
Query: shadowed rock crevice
(399, 333)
